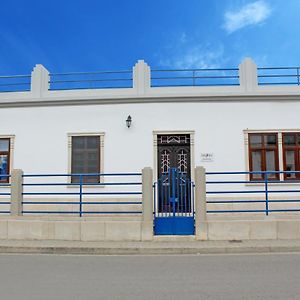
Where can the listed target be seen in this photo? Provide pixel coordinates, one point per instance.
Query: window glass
(4, 145)
(78, 142)
(85, 158)
(92, 142)
(256, 163)
(270, 140)
(289, 140)
(4, 167)
(255, 141)
(290, 163)
(270, 163)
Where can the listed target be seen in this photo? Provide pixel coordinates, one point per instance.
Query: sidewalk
(149, 248)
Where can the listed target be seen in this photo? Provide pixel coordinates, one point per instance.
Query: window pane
(290, 163)
(270, 163)
(255, 141)
(93, 142)
(4, 145)
(270, 140)
(85, 157)
(78, 142)
(289, 140)
(3, 166)
(256, 164)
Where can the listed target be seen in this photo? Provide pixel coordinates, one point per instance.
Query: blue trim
(174, 226)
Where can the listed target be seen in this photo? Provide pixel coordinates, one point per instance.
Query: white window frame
(101, 154)
(280, 151)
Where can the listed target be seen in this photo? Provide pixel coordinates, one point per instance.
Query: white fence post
(248, 75)
(16, 197)
(147, 200)
(39, 80)
(200, 204)
(141, 77)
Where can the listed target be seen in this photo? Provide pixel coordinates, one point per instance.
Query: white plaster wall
(41, 132)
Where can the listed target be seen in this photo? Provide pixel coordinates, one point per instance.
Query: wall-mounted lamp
(128, 121)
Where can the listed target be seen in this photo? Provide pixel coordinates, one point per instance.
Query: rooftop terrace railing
(73, 201)
(279, 76)
(15, 83)
(252, 196)
(194, 77)
(142, 77)
(91, 80)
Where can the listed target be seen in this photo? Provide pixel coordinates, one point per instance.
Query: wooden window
(4, 158)
(85, 158)
(291, 154)
(263, 154)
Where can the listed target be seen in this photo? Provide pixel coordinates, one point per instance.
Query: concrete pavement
(177, 245)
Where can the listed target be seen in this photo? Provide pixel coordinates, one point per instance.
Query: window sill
(274, 183)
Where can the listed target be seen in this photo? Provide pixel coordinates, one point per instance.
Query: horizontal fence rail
(158, 77)
(279, 76)
(234, 192)
(15, 83)
(194, 77)
(91, 80)
(36, 187)
(5, 194)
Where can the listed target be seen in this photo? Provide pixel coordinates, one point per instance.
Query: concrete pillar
(248, 75)
(16, 197)
(39, 80)
(200, 204)
(141, 77)
(147, 200)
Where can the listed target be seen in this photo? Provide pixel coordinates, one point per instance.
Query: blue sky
(92, 35)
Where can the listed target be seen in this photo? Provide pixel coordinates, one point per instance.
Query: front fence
(75, 194)
(121, 194)
(234, 192)
(5, 194)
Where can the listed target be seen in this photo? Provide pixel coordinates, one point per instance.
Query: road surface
(44, 277)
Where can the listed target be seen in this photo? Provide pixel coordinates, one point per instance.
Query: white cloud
(250, 14)
(202, 57)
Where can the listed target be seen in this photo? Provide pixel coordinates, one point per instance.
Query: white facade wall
(40, 121)
(41, 133)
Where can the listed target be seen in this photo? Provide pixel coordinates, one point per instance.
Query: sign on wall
(207, 157)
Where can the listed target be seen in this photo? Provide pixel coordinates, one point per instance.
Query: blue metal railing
(81, 186)
(15, 83)
(260, 189)
(278, 76)
(173, 195)
(195, 77)
(159, 78)
(6, 194)
(91, 80)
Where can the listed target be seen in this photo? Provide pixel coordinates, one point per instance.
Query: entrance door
(174, 213)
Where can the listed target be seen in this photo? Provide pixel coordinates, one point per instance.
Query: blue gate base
(174, 226)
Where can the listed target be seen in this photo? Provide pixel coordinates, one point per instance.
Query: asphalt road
(223, 277)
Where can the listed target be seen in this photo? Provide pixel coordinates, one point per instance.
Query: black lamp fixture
(128, 121)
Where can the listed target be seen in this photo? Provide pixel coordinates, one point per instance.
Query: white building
(234, 120)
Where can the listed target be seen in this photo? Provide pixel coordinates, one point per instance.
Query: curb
(145, 250)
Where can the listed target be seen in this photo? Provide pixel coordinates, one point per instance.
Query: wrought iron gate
(174, 204)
